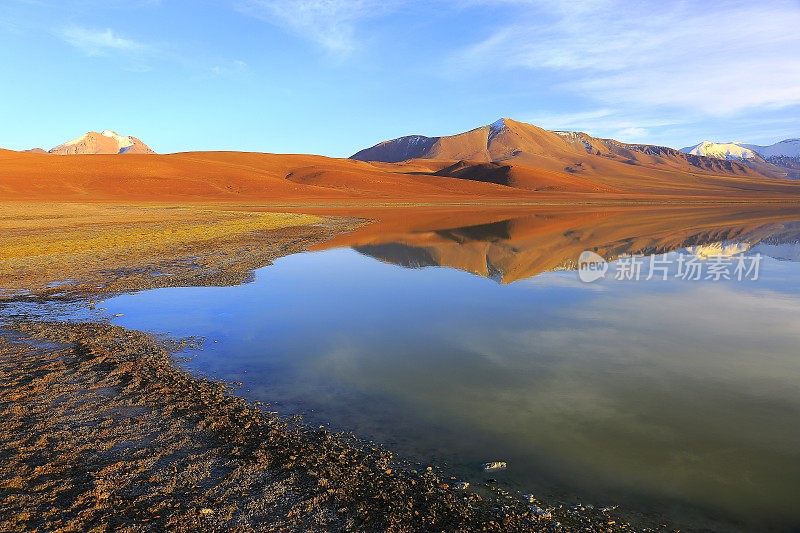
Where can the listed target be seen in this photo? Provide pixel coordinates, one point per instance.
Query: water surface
(461, 344)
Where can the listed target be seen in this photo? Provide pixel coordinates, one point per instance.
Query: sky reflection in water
(676, 395)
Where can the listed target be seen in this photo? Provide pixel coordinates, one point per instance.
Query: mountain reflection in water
(525, 245)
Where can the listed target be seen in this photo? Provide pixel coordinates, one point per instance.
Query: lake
(459, 339)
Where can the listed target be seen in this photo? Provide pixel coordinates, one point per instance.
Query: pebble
(540, 513)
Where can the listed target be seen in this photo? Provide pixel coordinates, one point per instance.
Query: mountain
(729, 151)
(785, 148)
(522, 145)
(500, 140)
(106, 142)
(784, 155)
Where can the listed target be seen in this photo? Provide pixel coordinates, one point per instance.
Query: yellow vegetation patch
(104, 237)
(120, 246)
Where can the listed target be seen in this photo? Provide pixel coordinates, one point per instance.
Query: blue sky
(332, 77)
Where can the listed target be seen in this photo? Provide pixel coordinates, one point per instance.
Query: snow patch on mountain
(730, 151)
(124, 141)
(413, 140)
(719, 249)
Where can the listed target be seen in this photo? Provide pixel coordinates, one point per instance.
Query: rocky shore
(102, 431)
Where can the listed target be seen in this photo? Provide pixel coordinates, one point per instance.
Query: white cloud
(100, 42)
(330, 23)
(577, 120)
(717, 59)
(632, 134)
(135, 56)
(602, 122)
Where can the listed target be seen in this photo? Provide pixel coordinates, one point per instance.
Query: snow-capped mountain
(783, 156)
(786, 148)
(731, 151)
(106, 142)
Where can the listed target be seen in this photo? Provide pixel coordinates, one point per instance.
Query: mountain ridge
(498, 162)
(565, 151)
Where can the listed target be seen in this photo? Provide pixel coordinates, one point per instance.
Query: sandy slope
(242, 176)
(215, 176)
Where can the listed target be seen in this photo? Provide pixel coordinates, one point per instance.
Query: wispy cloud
(571, 120)
(739, 56)
(229, 68)
(96, 42)
(137, 56)
(605, 122)
(331, 24)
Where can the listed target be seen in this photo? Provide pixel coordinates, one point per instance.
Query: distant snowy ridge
(786, 148)
(741, 151)
(783, 156)
(729, 151)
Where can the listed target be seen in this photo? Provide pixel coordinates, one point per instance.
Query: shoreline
(103, 429)
(128, 375)
(106, 431)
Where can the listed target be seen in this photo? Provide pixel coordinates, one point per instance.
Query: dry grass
(45, 242)
(140, 234)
